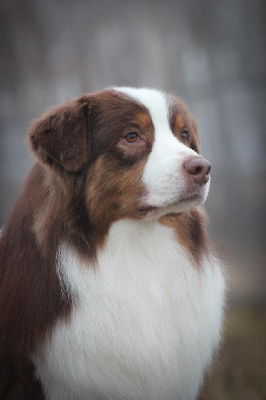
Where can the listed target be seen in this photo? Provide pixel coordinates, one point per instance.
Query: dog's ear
(61, 136)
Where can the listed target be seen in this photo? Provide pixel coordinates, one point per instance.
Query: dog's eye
(184, 135)
(131, 137)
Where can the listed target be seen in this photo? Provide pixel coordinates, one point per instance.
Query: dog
(110, 288)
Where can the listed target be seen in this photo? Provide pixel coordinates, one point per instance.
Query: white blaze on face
(163, 176)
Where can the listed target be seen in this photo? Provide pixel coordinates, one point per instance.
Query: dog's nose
(198, 168)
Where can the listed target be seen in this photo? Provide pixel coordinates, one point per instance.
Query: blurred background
(210, 52)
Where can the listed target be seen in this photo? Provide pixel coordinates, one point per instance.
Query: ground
(240, 369)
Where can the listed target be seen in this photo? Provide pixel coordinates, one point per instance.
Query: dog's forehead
(154, 102)
(123, 104)
(164, 110)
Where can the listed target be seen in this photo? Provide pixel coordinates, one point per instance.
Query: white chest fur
(145, 323)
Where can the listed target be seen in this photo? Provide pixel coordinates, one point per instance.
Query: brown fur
(190, 229)
(61, 136)
(179, 123)
(86, 178)
(181, 120)
(30, 300)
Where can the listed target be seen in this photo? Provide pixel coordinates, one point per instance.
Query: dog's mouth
(183, 201)
(190, 198)
(146, 210)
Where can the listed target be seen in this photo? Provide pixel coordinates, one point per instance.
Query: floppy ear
(61, 136)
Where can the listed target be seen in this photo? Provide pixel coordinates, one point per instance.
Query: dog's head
(138, 150)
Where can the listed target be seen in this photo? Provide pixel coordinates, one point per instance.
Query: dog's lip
(144, 210)
(189, 198)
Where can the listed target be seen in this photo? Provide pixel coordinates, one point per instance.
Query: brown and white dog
(109, 288)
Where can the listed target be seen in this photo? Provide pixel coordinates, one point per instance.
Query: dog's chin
(183, 204)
